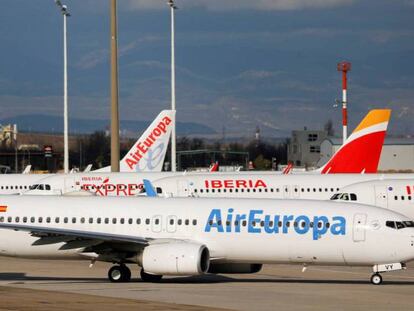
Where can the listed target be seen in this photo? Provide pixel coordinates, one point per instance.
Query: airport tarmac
(275, 287)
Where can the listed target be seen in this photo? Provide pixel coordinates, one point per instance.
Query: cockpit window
(335, 196)
(47, 187)
(353, 196)
(32, 187)
(399, 224)
(344, 196)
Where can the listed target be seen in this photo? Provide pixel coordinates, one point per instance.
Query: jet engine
(176, 258)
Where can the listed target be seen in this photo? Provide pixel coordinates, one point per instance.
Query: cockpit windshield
(40, 187)
(344, 196)
(399, 224)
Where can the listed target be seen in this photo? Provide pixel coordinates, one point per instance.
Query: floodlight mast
(173, 7)
(64, 10)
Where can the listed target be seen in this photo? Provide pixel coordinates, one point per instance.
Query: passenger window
(90, 220)
(172, 221)
(114, 221)
(32, 219)
(74, 220)
(396, 198)
(24, 219)
(1, 219)
(48, 220)
(130, 220)
(194, 222)
(106, 220)
(65, 220)
(122, 221)
(147, 221)
(402, 198)
(9, 219)
(98, 220)
(187, 222)
(82, 220)
(138, 221)
(157, 221)
(57, 220)
(17, 219)
(179, 222)
(244, 223)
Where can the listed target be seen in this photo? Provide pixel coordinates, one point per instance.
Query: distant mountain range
(54, 124)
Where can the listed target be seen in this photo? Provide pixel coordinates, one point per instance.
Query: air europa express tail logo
(141, 148)
(257, 222)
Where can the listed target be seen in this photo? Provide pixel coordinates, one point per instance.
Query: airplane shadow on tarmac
(205, 279)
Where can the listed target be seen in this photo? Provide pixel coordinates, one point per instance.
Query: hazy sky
(240, 63)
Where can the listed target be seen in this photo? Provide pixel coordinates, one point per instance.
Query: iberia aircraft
(393, 194)
(373, 125)
(174, 237)
(146, 156)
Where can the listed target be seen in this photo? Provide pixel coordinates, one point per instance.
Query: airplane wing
(68, 235)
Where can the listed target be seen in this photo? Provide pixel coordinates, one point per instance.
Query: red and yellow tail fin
(362, 150)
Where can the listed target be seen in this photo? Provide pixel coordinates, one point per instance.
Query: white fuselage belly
(358, 245)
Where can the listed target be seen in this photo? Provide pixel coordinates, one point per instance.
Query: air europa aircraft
(177, 239)
(373, 125)
(146, 155)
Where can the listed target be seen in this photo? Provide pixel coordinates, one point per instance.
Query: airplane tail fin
(362, 150)
(148, 153)
(214, 167)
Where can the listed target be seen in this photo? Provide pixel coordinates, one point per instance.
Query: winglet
(362, 150)
(149, 188)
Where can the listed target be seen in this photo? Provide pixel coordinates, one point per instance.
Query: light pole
(173, 7)
(114, 89)
(64, 10)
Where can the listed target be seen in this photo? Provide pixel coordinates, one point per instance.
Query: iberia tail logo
(362, 150)
(3, 208)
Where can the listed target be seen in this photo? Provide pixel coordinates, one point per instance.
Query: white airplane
(146, 155)
(366, 142)
(393, 194)
(175, 237)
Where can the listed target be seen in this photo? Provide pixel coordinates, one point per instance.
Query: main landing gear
(119, 274)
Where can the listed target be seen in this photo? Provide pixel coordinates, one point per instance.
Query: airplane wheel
(119, 274)
(153, 278)
(376, 279)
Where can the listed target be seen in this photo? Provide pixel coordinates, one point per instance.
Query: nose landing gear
(376, 278)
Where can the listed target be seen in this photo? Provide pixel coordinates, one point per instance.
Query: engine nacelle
(234, 268)
(178, 258)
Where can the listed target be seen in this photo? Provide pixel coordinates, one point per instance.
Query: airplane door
(183, 188)
(171, 224)
(157, 223)
(381, 196)
(286, 191)
(296, 191)
(69, 184)
(360, 221)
